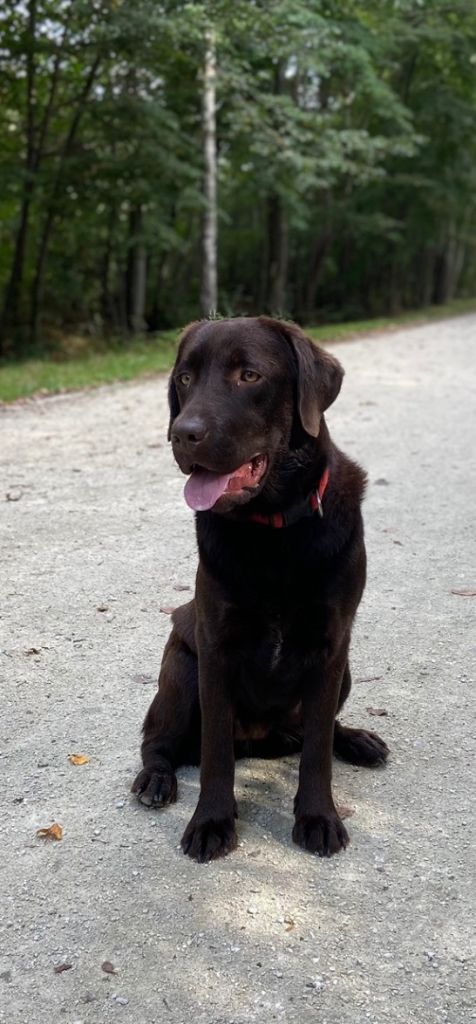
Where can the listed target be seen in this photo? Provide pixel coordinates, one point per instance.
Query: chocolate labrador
(257, 663)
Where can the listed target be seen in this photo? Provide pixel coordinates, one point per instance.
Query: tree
(209, 295)
(333, 143)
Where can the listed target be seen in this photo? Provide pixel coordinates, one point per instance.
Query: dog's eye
(250, 376)
(184, 379)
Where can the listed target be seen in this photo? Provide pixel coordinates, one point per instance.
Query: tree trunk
(319, 252)
(425, 274)
(106, 301)
(278, 256)
(34, 155)
(14, 286)
(138, 274)
(209, 289)
(277, 230)
(52, 208)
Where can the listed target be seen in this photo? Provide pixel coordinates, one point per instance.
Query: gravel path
(96, 540)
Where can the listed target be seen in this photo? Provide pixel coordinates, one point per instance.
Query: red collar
(311, 504)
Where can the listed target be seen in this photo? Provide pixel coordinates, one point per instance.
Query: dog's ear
(174, 404)
(319, 375)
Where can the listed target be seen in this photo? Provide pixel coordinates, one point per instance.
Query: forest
(165, 159)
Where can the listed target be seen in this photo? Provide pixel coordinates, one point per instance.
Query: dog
(257, 663)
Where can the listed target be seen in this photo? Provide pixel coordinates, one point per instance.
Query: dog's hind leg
(172, 726)
(359, 746)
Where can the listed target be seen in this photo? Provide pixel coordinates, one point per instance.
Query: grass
(136, 358)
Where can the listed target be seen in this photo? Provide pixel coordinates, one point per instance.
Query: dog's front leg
(211, 831)
(318, 827)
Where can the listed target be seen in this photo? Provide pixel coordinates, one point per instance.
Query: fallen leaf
(464, 593)
(108, 967)
(102, 608)
(181, 586)
(398, 542)
(78, 759)
(60, 968)
(344, 811)
(167, 610)
(32, 650)
(54, 831)
(380, 712)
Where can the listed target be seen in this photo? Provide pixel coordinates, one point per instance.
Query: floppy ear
(174, 404)
(319, 375)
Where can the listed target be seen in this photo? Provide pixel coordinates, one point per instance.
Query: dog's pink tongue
(204, 488)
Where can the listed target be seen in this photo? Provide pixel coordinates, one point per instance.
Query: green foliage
(346, 153)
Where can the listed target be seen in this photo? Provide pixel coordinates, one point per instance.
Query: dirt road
(96, 540)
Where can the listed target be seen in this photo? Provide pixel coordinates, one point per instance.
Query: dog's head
(241, 390)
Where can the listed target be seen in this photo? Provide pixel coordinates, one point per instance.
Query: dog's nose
(189, 431)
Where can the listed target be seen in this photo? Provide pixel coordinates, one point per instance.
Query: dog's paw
(360, 746)
(155, 788)
(323, 834)
(207, 840)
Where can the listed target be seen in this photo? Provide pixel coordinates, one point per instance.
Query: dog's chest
(273, 647)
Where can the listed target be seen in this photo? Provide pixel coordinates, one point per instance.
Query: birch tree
(209, 288)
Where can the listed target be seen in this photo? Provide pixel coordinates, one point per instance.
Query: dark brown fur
(257, 663)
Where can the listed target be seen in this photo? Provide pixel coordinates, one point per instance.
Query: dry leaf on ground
(166, 610)
(377, 711)
(108, 967)
(464, 593)
(78, 759)
(53, 831)
(60, 968)
(344, 811)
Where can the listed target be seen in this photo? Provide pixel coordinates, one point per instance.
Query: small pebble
(122, 1000)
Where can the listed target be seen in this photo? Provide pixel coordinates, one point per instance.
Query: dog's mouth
(204, 487)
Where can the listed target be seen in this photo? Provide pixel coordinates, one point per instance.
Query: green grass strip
(134, 358)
